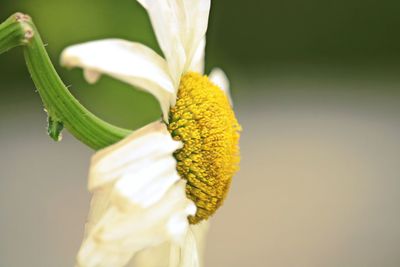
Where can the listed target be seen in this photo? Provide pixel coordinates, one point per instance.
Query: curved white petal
(146, 186)
(139, 200)
(129, 62)
(119, 235)
(135, 153)
(219, 77)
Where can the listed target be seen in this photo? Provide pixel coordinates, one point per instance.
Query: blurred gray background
(316, 89)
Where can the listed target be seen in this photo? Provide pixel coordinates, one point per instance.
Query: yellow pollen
(204, 121)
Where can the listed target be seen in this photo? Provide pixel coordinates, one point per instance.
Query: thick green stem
(14, 32)
(62, 107)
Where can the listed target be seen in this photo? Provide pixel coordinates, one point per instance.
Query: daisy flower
(154, 191)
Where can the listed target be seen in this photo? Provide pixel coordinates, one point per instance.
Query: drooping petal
(119, 235)
(135, 153)
(146, 186)
(139, 200)
(127, 156)
(129, 62)
(219, 77)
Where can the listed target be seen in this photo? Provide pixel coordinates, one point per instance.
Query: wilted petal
(119, 235)
(139, 200)
(137, 152)
(147, 185)
(129, 62)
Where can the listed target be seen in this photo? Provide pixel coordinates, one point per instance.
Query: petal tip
(91, 76)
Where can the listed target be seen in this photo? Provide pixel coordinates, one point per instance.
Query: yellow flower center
(205, 123)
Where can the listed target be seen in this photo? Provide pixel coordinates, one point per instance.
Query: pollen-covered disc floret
(205, 123)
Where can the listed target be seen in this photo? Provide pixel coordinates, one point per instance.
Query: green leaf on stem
(54, 128)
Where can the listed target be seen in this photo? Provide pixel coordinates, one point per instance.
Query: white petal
(135, 153)
(166, 18)
(146, 186)
(152, 257)
(180, 27)
(199, 232)
(139, 199)
(219, 77)
(120, 235)
(196, 13)
(98, 206)
(190, 253)
(130, 62)
(91, 76)
(198, 61)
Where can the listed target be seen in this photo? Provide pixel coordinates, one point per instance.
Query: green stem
(14, 32)
(62, 107)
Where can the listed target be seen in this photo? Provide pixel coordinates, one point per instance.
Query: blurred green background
(316, 88)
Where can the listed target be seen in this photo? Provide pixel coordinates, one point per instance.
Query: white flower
(139, 208)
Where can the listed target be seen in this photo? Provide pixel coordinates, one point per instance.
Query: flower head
(148, 185)
(203, 120)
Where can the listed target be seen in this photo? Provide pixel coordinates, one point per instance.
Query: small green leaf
(54, 128)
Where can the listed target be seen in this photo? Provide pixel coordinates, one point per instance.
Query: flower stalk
(14, 32)
(63, 109)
